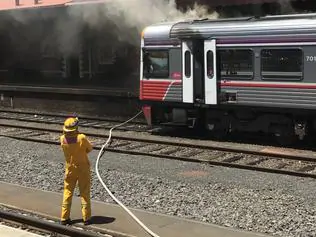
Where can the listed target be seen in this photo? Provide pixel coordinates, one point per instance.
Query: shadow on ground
(96, 220)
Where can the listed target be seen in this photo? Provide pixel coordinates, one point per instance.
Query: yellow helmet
(71, 124)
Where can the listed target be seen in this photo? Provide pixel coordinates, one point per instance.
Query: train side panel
(292, 85)
(296, 89)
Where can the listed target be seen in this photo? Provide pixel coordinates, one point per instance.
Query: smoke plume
(138, 13)
(127, 18)
(116, 20)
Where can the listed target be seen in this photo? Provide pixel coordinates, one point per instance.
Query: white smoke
(121, 20)
(116, 20)
(286, 7)
(138, 13)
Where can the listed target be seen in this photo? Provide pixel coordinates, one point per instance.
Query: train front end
(160, 74)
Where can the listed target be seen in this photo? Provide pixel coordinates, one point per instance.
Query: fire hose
(106, 144)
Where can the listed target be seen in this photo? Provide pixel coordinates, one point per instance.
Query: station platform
(7, 231)
(111, 217)
(73, 90)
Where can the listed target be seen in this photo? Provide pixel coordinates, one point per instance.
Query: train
(247, 74)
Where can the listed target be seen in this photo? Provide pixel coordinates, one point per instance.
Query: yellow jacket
(75, 148)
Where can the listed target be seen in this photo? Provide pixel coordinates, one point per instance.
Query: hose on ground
(106, 144)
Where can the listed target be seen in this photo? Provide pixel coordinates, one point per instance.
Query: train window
(209, 64)
(235, 63)
(156, 64)
(187, 63)
(282, 64)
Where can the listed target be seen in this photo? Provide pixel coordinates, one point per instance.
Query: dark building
(253, 7)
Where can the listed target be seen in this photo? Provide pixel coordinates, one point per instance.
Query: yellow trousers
(83, 176)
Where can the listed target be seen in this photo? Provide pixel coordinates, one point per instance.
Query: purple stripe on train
(242, 40)
(291, 39)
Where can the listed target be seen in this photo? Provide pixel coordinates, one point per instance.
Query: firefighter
(77, 168)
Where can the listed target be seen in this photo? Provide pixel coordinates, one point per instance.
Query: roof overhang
(85, 2)
(26, 4)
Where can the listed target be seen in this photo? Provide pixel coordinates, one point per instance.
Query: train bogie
(222, 122)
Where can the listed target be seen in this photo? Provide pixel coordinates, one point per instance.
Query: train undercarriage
(287, 128)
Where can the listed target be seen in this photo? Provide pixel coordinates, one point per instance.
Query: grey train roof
(160, 31)
(246, 26)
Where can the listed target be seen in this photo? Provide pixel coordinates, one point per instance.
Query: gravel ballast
(274, 204)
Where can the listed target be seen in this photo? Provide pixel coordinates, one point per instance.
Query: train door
(210, 72)
(199, 72)
(187, 72)
(193, 73)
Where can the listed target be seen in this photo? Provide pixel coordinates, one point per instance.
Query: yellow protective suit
(75, 147)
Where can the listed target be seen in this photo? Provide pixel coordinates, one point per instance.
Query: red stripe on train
(155, 90)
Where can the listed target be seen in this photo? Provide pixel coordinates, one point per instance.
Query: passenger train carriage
(244, 74)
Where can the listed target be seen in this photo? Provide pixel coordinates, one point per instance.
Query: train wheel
(217, 131)
(219, 134)
(285, 136)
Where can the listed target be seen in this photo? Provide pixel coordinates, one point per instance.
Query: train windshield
(156, 64)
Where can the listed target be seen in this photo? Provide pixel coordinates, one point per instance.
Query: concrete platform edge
(102, 230)
(120, 234)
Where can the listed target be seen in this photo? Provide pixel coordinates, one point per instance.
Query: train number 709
(311, 58)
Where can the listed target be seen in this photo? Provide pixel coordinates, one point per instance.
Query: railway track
(85, 121)
(46, 226)
(242, 158)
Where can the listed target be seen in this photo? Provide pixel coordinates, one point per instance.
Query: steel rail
(157, 141)
(82, 125)
(92, 122)
(182, 144)
(187, 159)
(64, 115)
(45, 225)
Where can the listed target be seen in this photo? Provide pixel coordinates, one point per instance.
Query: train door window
(156, 64)
(187, 63)
(235, 63)
(282, 64)
(210, 63)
